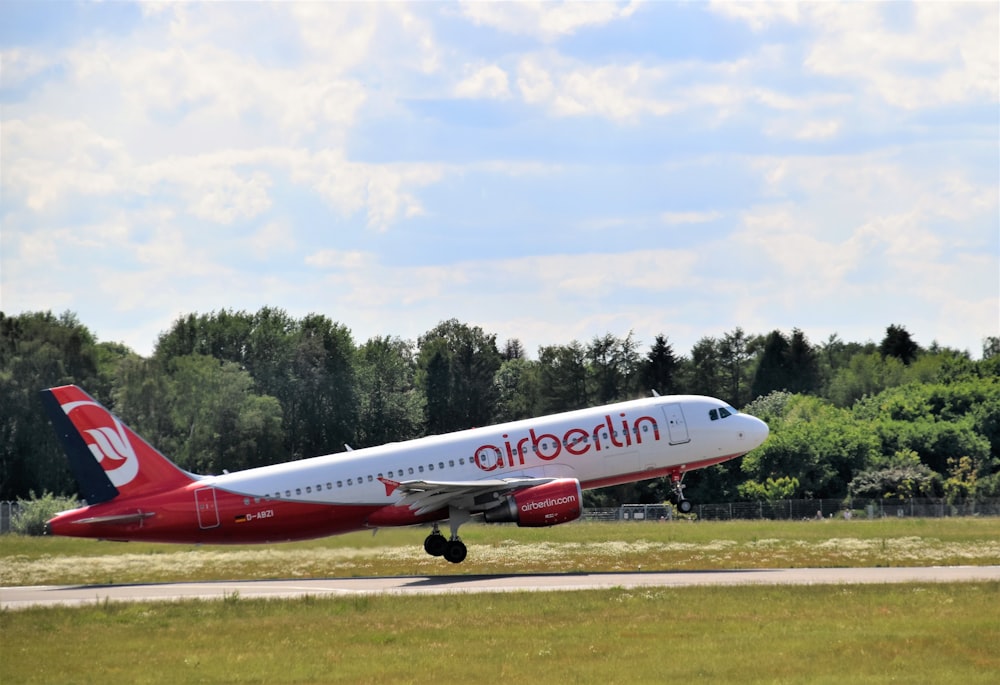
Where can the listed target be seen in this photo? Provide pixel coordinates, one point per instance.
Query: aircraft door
(676, 426)
(207, 508)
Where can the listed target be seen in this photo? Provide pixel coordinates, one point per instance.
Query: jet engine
(555, 502)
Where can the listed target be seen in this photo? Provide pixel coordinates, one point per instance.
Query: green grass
(507, 549)
(940, 633)
(828, 634)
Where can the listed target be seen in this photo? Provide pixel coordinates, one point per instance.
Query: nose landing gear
(677, 482)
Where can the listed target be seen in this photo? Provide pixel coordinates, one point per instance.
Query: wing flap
(423, 496)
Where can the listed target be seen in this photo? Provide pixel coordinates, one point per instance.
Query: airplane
(530, 472)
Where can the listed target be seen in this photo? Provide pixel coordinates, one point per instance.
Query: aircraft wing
(422, 496)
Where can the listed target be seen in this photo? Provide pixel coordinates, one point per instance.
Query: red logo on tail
(108, 443)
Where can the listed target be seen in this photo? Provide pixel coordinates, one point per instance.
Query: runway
(77, 595)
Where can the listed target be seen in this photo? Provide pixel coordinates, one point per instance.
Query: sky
(549, 172)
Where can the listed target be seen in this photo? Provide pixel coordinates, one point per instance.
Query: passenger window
(308, 489)
(329, 486)
(298, 491)
(430, 467)
(441, 465)
(350, 481)
(420, 468)
(340, 483)
(411, 470)
(451, 463)
(370, 479)
(288, 493)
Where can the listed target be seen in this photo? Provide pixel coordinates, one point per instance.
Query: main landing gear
(677, 482)
(452, 549)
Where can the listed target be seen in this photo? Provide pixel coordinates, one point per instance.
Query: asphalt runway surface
(78, 595)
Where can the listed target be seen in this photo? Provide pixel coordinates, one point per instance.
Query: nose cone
(756, 431)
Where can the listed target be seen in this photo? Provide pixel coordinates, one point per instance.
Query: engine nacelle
(543, 505)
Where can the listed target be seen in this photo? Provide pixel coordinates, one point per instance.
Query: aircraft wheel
(435, 544)
(685, 506)
(455, 551)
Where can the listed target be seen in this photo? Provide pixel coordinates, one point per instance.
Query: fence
(790, 509)
(7, 511)
(798, 509)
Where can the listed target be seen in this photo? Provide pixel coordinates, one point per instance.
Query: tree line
(230, 390)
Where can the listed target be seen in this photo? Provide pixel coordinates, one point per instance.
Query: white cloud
(232, 197)
(947, 55)
(379, 190)
(861, 235)
(485, 82)
(336, 259)
(799, 249)
(809, 130)
(275, 237)
(758, 15)
(46, 158)
(547, 21)
(619, 93)
(178, 167)
(203, 86)
(20, 65)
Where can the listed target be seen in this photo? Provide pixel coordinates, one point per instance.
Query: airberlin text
(575, 441)
(548, 503)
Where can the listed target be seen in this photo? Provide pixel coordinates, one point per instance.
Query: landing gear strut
(452, 549)
(677, 482)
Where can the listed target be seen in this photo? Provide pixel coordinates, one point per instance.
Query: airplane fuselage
(337, 493)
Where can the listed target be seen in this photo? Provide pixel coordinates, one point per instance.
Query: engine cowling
(543, 505)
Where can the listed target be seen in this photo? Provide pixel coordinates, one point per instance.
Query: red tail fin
(131, 464)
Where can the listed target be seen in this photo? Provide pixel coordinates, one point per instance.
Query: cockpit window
(720, 413)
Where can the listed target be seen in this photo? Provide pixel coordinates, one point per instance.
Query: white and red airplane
(529, 472)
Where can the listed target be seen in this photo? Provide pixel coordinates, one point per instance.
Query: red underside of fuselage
(199, 514)
(656, 473)
(216, 517)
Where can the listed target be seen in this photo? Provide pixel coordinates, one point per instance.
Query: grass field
(506, 549)
(827, 634)
(919, 633)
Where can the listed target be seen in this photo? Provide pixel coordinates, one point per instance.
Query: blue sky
(548, 171)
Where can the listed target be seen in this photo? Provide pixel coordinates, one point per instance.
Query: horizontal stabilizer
(123, 519)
